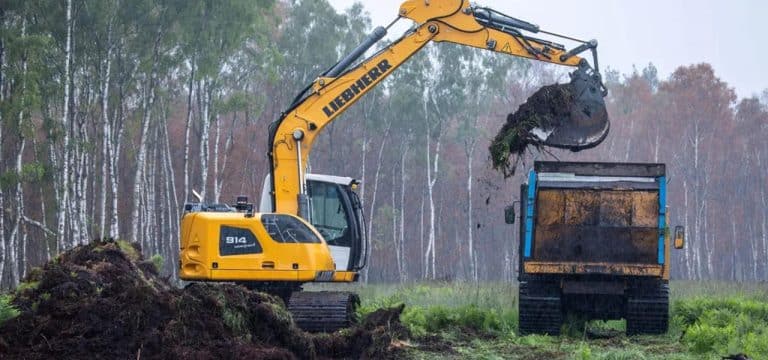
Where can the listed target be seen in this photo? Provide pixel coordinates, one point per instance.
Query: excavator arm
(455, 21)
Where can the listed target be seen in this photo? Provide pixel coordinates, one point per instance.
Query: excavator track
(323, 311)
(648, 310)
(540, 308)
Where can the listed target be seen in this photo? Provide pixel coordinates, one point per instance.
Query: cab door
(335, 215)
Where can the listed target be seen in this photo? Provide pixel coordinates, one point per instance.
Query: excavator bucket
(585, 123)
(566, 116)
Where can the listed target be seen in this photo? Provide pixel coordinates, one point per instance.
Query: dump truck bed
(594, 218)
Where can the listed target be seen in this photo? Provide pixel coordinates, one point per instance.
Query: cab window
(329, 215)
(288, 229)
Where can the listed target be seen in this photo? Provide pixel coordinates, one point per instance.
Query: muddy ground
(104, 300)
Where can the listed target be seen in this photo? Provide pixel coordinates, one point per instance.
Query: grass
(128, 249)
(489, 310)
(708, 320)
(158, 261)
(7, 310)
(729, 325)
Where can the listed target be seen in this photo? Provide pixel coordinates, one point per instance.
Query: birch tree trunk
(63, 202)
(430, 254)
(395, 218)
(421, 236)
(469, 151)
(81, 184)
(18, 233)
(138, 185)
(431, 231)
(216, 179)
(375, 190)
(187, 128)
(106, 129)
(403, 268)
(114, 173)
(205, 147)
(173, 206)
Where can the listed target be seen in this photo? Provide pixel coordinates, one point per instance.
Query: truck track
(540, 308)
(648, 309)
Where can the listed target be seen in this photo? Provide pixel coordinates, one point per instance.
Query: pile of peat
(547, 109)
(103, 300)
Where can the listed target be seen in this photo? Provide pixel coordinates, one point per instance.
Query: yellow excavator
(309, 227)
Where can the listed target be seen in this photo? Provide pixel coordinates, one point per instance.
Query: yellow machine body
(205, 235)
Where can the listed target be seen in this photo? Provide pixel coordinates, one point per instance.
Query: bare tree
(64, 167)
(106, 130)
(432, 177)
(375, 189)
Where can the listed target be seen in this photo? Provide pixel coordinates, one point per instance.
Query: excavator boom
(455, 21)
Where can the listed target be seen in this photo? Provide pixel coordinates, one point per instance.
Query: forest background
(112, 111)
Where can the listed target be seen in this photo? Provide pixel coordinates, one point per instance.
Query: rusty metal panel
(580, 268)
(549, 242)
(595, 244)
(589, 225)
(615, 208)
(645, 244)
(551, 209)
(645, 209)
(582, 207)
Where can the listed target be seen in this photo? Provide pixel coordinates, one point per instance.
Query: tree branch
(38, 225)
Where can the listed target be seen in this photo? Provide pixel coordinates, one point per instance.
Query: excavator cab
(337, 214)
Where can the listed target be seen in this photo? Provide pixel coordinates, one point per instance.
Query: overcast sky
(730, 35)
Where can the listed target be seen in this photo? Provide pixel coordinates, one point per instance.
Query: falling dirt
(104, 300)
(544, 109)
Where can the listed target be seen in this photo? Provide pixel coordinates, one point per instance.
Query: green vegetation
(466, 321)
(27, 285)
(158, 261)
(7, 310)
(723, 326)
(490, 309)
(128, 249)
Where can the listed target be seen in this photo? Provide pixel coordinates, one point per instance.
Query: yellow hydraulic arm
(456, 21)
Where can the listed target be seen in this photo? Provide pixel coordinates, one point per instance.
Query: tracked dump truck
(594, 243)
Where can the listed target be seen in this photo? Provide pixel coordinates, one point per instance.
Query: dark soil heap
(104, 300)
(544, 109)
